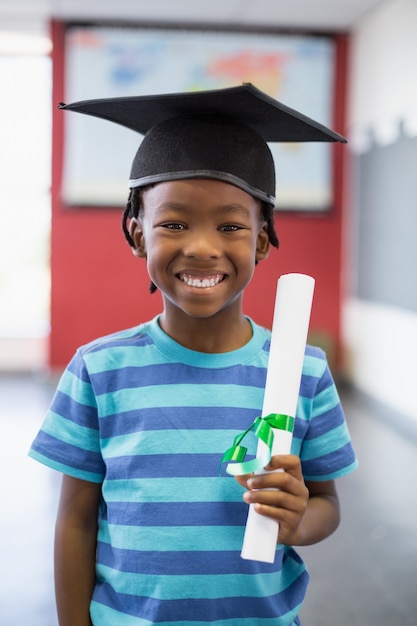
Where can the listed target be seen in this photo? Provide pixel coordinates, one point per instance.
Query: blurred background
(346, 215)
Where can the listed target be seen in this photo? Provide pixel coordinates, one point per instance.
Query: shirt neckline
(175, 351)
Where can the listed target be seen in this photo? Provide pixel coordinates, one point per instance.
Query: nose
(202, 245)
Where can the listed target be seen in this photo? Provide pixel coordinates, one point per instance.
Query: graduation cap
(220, 134)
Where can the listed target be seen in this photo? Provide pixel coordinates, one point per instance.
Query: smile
(201, 283)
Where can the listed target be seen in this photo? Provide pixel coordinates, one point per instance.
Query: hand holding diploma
(281, 496)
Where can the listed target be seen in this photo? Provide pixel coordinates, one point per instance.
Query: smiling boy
(201, 239)
(146, 532)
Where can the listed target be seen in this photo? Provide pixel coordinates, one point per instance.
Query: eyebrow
(227, 209)
(233, 208)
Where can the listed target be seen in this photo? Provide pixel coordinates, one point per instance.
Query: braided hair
(134, 207)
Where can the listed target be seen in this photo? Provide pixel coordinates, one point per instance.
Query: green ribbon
(263, 429)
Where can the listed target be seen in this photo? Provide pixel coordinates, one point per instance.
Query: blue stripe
(169, 587)
(334, 417)
(75, 369)
(333, 475)
(300, 429)
(325, 381)
(311, 386)
(102, 614)
(174, 374)
(66, 469)
(206, 610)
(177, 513)
(168, 563)
(315, 351)
(189, 417)
(160, 465)
(308, 387)
(77, 412)
(60, 451)
(329, 464)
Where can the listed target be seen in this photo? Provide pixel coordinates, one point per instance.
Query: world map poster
(106, 62)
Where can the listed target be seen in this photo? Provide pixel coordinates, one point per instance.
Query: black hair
(134, 207)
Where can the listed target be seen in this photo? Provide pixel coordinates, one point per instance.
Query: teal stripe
(76, 435)
(325, 401)
(173, 351)
(296, 445)
(169, 490)
(66, 469)
(77, 389)
(101, 614)
(177, 396)
(329, 442)
(303, 410)
(313, 366)
(210, 587)
(117, 357)
(163, 538)
(169, 442)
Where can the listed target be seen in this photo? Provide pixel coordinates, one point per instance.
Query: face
(201, 239)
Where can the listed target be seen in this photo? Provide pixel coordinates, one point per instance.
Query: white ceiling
(321, 15)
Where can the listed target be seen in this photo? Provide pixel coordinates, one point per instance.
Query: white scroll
(288, 341)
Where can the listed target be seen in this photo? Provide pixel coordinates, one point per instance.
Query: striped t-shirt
(150, 421)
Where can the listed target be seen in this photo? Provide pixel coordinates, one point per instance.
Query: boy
(147, 533)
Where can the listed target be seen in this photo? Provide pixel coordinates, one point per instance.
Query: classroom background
(66, 272)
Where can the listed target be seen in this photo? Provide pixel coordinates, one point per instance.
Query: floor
(364, 575)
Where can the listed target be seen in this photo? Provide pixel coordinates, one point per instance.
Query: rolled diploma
(285, 364)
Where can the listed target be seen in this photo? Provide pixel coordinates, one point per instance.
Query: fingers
(273, 479)
(280, 494)
(243, 480)
(288, 462)
(274, 502)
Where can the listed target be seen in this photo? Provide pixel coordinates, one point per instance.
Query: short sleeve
(69, 440)
(324, 442)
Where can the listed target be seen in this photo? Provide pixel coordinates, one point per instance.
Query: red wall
(99, 287)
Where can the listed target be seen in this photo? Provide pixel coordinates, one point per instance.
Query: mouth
(201, 282)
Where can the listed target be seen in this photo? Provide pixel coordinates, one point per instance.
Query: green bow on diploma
(263, 429)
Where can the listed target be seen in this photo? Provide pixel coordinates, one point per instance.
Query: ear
(262, 244)
(137, 235)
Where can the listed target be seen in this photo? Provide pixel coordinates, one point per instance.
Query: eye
(173, 226)
(230, 228)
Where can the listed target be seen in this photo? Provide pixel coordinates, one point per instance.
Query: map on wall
(111, 62)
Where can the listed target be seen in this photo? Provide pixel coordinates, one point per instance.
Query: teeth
(212, 281)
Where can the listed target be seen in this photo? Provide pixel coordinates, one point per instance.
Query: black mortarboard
(220, 134)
